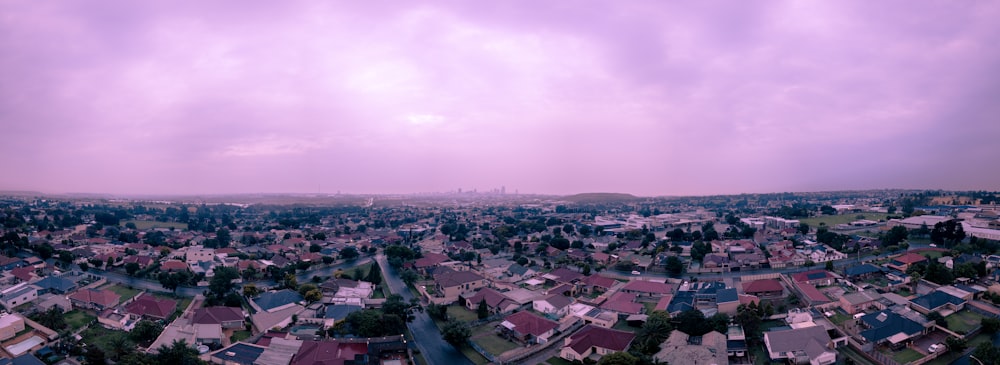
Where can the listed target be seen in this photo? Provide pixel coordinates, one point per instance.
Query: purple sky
(574, 96)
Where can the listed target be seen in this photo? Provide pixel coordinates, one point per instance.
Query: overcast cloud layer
(540, 96)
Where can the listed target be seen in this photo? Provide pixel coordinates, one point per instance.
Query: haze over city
(555, 97)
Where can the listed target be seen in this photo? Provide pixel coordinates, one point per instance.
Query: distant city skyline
(559, 97)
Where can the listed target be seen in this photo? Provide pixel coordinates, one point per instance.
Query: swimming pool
(304, 329)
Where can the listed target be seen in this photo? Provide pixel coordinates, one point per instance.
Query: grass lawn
(144, 225)
(473, 356)
(459, 313)
(903, 292)
(489, 328)
(379, 294)
(848, 352)
(98, 336)
(964, 321)
(125, 293)
(556, 360)
(495, 345)
(77, 319)
(933, 254)
(839, 318)
(906, 356)
(623, 326)
(650, 307)
(833, 220)
(240, 335)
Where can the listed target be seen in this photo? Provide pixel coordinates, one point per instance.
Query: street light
(977, 360)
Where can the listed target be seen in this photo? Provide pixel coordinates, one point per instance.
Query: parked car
(636, 273)
(935, 347)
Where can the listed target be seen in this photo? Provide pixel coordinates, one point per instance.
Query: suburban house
(18, 295)
(94, 299)
(452, 284)
(149, 306)
(594, 342)
(429, 260)
(496, 302)
(113, 319)
(597, 284)
(526, 327)
(10, 325)
(517, 272)
(645, 288)
(553, 305)
(860, 301)
(810, 345)
(894, 326)
(904, 261)
(764, 288)
(680, 348)
(861, 272)
(275, 301)
(227, 317)
(937, 301)
(814, 277)
(55, 284)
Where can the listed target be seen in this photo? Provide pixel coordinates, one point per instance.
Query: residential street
(427, 336)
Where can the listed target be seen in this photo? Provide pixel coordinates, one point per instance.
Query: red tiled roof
(23, 273)
(492, 297)
(566, 275)
(599, 281)
(623, 303)
(104, 298)
(910, 258)
(527, 323)
(327, 352)
(594, 336)
(664, 302)
(430, 259)
(764, 285)
(747, 299)
(150, 306)
(455, 278)
(216, 315)
(171, 265)
(805, 275)
(813, 294)
(645, 286)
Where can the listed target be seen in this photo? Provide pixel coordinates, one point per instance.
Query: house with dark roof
(527, 327)
(764, 288)
(429, 260)
(26, 359)
(562, 275)
(227, 317)
(56, 285)
(937, 301)
(894, 326)
(623, 303)
(555, 305)
(814, 277)
(597, 284)
(593, 341)
(863, 271)
(336, 313)
(496, 302)
(276, 300)
(149, 306)
(517, 272)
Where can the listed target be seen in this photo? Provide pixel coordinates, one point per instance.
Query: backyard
(964, 321)
(494, 344)
(76, 319)
(240, 336)
(125, 293)
(99, 336)
(461, 314)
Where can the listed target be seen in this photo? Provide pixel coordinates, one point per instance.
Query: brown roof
(566, 275)
(910, 258)
(328, 352)
(104, 298)
(594, 336)
(216, 315)
(599, 281)
(527, 323)
(760, 286)
(455, 278)
(171, 265)
(492, 297)
(652, 287)
(429, 259)
(148, 305)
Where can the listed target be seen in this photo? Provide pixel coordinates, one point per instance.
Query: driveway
(425, 333)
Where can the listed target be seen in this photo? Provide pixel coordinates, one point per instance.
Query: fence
(481, 351)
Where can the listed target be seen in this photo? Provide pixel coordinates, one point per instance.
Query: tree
(52, 318)
(118, 345)
(85, 267)
(145, 332)
(328, 259)
(290, 281)
(719, 322)
(987, 354)
(804, 228)
(313, 296)
(990, 325)
(956, 344)
(896, 235)
(827, 210)
(94, 356)
(409, 276)
(222, 282)
(656, 330)
(223, 237)
(349, 253)
(456, 332)
(374, 274)
(437, 311)
(674, 265)
(482, 311)
(586, 269)
(178, 353)
(829, 266)
(618, 358)
(692, 322)
(131, 268)
(250, 290)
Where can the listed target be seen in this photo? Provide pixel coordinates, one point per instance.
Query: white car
(935, 347)
(636, 273)
(933, 245)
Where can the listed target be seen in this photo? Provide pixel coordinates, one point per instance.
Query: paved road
(425, 333)
(189, 291)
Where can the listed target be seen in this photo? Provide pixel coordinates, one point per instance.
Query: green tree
(94, 356)
(990, 325)
(222, 282)
(131, 268)
(804, 228)
(618, 358)
(52, 319)
(117, 345)
(674, 265)
(482, 311)
(374, 274)
(956, 344)
(692, 322)
(290, 281)
(656, 330)
(349, 253)
(250, 290)
(409, 276)
(145, 332)
(178, 353)
(829, 266)
(456, 332)
(987, 354)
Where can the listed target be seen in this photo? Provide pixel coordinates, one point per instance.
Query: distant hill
(599, 197)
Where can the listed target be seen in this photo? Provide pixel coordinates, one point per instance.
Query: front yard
(964, 321)
(461, 314)
(125, 293)
(76, 319)
(240, 336)
(906, 356)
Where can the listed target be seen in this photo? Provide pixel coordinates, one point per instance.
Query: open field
(833, 220)
(144, 225)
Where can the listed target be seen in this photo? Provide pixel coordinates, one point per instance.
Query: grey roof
(813, 340)
(340, 311)
(517, 269)
(26, 359)
(861, 297)
(726, 296)
(56, 283)
(271, 300)
(244, 354)
(862, 269)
